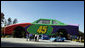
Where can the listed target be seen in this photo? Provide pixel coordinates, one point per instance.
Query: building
(42, 26)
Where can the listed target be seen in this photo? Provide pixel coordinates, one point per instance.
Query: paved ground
(21, 42)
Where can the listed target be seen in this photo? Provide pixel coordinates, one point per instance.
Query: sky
(68, 12)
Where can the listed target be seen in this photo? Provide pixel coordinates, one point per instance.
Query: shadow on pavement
(8, 44)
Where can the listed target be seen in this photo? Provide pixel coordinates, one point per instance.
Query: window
(44, 21)
(54, 22)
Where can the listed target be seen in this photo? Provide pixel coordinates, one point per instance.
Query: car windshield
(44, 22)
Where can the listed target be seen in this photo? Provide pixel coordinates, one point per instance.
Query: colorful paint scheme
(44, 26)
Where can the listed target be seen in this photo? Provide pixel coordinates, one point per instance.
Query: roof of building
(58, 22)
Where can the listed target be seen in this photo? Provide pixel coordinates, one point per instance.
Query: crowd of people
(34, 37)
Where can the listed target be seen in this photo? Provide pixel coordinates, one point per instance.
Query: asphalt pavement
(21, 42)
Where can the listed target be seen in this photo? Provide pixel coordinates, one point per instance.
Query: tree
(81, 34)
(5, 22)
(15, 21)
(2, 18)
(2, 22)
(9, 21)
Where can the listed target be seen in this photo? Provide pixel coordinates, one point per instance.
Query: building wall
(70, 29)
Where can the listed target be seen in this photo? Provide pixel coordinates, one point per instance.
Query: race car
(41, 26)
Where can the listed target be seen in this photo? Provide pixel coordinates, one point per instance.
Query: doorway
(19, 32)
(62, 33)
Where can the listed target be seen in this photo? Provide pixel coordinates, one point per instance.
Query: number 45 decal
(42, 29)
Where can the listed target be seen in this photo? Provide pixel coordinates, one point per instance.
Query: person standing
(80, 39)
(27, 36)
(30, 37)
(71, 37)
(35, 38)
